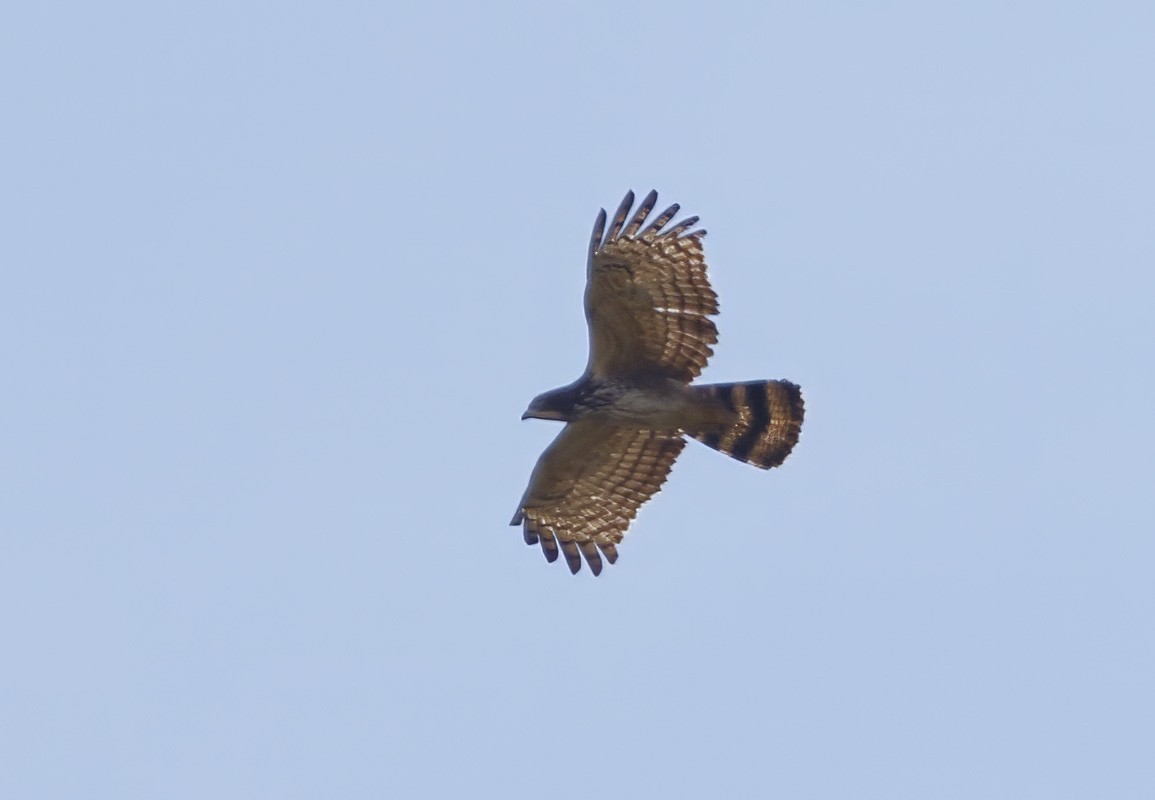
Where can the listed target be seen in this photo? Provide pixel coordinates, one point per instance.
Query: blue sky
(279, 280)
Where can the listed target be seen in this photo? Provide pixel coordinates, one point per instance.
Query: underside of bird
(756, 422)
(649, 308)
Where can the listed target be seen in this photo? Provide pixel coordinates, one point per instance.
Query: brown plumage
(769, 419)
(589, 484)
(648, 305)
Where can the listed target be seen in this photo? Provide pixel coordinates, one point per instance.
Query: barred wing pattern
(648, 301)
(588, 485)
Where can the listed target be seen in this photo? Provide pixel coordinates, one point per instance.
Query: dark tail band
(769, 421)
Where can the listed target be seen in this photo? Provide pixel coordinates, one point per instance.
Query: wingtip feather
(655, 227)
(620, 216)
(597, 234)
(572, 559)
(593, 558)
(681, 227)
(549, 548)
(647, 205)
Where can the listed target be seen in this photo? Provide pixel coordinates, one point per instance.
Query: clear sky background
(279, 279)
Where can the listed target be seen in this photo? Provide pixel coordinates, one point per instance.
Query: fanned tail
(769, 421)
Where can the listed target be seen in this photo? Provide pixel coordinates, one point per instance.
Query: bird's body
(642, 402)
(648, 304)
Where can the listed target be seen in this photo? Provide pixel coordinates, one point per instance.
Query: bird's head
(556, 404)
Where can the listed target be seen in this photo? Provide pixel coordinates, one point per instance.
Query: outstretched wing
(589, 484)
(648, 301)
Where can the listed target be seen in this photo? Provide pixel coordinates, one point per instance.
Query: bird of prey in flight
(648, 306)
